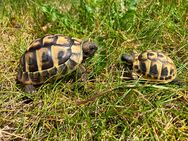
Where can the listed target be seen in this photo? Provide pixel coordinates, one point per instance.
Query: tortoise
(51, 57)
(153, 66)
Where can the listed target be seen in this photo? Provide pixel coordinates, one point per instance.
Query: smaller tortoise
(52, 57)
(153, 66)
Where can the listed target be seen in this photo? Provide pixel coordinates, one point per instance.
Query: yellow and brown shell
(154, 66)
(49, 56)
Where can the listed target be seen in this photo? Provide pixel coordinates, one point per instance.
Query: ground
(105, 107)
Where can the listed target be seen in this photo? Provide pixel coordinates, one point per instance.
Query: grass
(127, 110)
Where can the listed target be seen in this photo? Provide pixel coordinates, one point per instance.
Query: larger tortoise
(52, 56)
(153, 66)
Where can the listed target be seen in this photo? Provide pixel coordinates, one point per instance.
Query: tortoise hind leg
(29, 89)
(83, 73)
(179, 82)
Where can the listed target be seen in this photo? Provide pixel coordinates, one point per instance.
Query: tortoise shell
(52, 55)
(152, 66)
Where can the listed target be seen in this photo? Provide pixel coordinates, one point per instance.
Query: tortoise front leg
(29, 89)
(129, 75)
(84, 75)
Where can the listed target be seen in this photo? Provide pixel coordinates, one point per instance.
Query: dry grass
(118, 110)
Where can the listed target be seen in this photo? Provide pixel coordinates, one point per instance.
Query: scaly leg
(29, 89)
(84, 75)
(127, 75)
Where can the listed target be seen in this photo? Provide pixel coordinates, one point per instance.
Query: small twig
(12, 134)
(81, 102)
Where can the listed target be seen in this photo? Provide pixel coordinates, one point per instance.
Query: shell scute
(35, 77)
(153, 70)
(35, 45)
(31, 62)
(49, 40)
(64, 41)
(143, 67)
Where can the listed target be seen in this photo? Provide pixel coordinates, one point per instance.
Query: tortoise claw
(30, 89)
(84, 77)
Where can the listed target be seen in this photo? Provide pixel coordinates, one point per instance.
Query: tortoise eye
(150, 54)
(92, 47)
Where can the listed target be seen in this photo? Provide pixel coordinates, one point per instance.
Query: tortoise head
(128, 59)
(89, 48)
